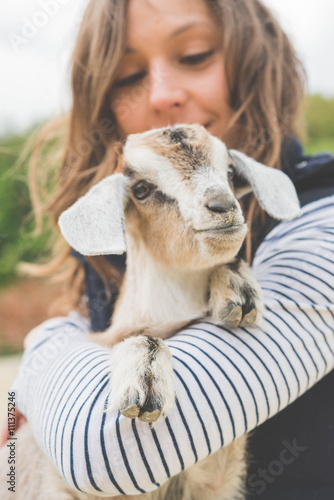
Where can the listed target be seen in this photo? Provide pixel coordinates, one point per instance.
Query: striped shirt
(227, 382)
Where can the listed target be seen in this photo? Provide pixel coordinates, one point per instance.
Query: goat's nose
(219, 204)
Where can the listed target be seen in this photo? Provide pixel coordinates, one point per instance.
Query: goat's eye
(230, 173)
(142, 189)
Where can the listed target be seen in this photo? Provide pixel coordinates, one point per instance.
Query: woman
(228, 66)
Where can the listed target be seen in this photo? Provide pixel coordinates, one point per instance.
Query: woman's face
(173, 68)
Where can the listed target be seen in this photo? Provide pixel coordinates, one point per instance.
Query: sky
(37, 38)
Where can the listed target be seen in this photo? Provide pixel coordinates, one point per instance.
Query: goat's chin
(223, 244)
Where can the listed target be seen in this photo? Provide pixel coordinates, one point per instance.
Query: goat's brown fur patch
(157, 229)
(186, 148)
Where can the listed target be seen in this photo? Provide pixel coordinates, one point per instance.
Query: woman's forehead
(169, 19)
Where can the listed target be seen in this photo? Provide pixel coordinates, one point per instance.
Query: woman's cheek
(131, 120)
(129, 109)
(121, 111)
(214, 87)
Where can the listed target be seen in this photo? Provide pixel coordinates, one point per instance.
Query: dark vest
(291, 454)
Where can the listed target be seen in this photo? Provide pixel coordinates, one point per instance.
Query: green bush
(18, 240)
(324, 144)
(319, 118)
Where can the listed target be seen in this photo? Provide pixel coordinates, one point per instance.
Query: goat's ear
(94, 224)
(274, 190)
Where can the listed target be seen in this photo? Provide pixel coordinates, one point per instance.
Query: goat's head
(175, 194)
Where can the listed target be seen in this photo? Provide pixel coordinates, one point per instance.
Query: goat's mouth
(222, 229)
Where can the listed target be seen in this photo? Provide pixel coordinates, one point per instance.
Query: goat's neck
(155, 295)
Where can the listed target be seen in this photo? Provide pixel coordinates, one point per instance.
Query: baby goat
(173, 208)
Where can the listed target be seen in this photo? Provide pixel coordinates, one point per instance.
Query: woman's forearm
(227, 382)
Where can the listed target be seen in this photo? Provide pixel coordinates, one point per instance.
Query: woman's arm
(227, 382)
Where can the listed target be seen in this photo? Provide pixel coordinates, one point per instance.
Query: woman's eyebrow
(177, 32)
(189, 26)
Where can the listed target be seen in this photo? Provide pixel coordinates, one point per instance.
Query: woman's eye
(130, 80)
(142, 189)
(197, 58)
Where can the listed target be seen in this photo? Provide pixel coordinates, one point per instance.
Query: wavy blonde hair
(265, 80)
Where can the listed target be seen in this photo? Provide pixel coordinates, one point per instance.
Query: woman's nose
(166, 94)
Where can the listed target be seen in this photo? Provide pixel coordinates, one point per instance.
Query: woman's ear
(94, 224)
(273, 189)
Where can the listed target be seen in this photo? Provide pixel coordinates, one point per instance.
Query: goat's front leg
(142, 380)
(235, 297)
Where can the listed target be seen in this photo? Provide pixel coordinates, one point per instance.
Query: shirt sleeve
(227, 382)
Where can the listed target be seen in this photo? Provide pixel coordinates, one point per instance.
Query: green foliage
(18, 241)
(319, 118)
(319, 115)
(324, 144)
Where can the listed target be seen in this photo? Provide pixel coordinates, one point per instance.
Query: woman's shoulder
(313, 177)
(307, 172)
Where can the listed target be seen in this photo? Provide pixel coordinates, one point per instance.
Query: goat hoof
(131, 408)
(234, 317)
(131, 411)
(149, 416)
(250, 317)
(150, 411)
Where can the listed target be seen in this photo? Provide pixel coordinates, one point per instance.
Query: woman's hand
(4, 433)
(30, 338)
(19, 417)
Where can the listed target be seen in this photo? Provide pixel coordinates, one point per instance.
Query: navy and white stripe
(227, 382)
